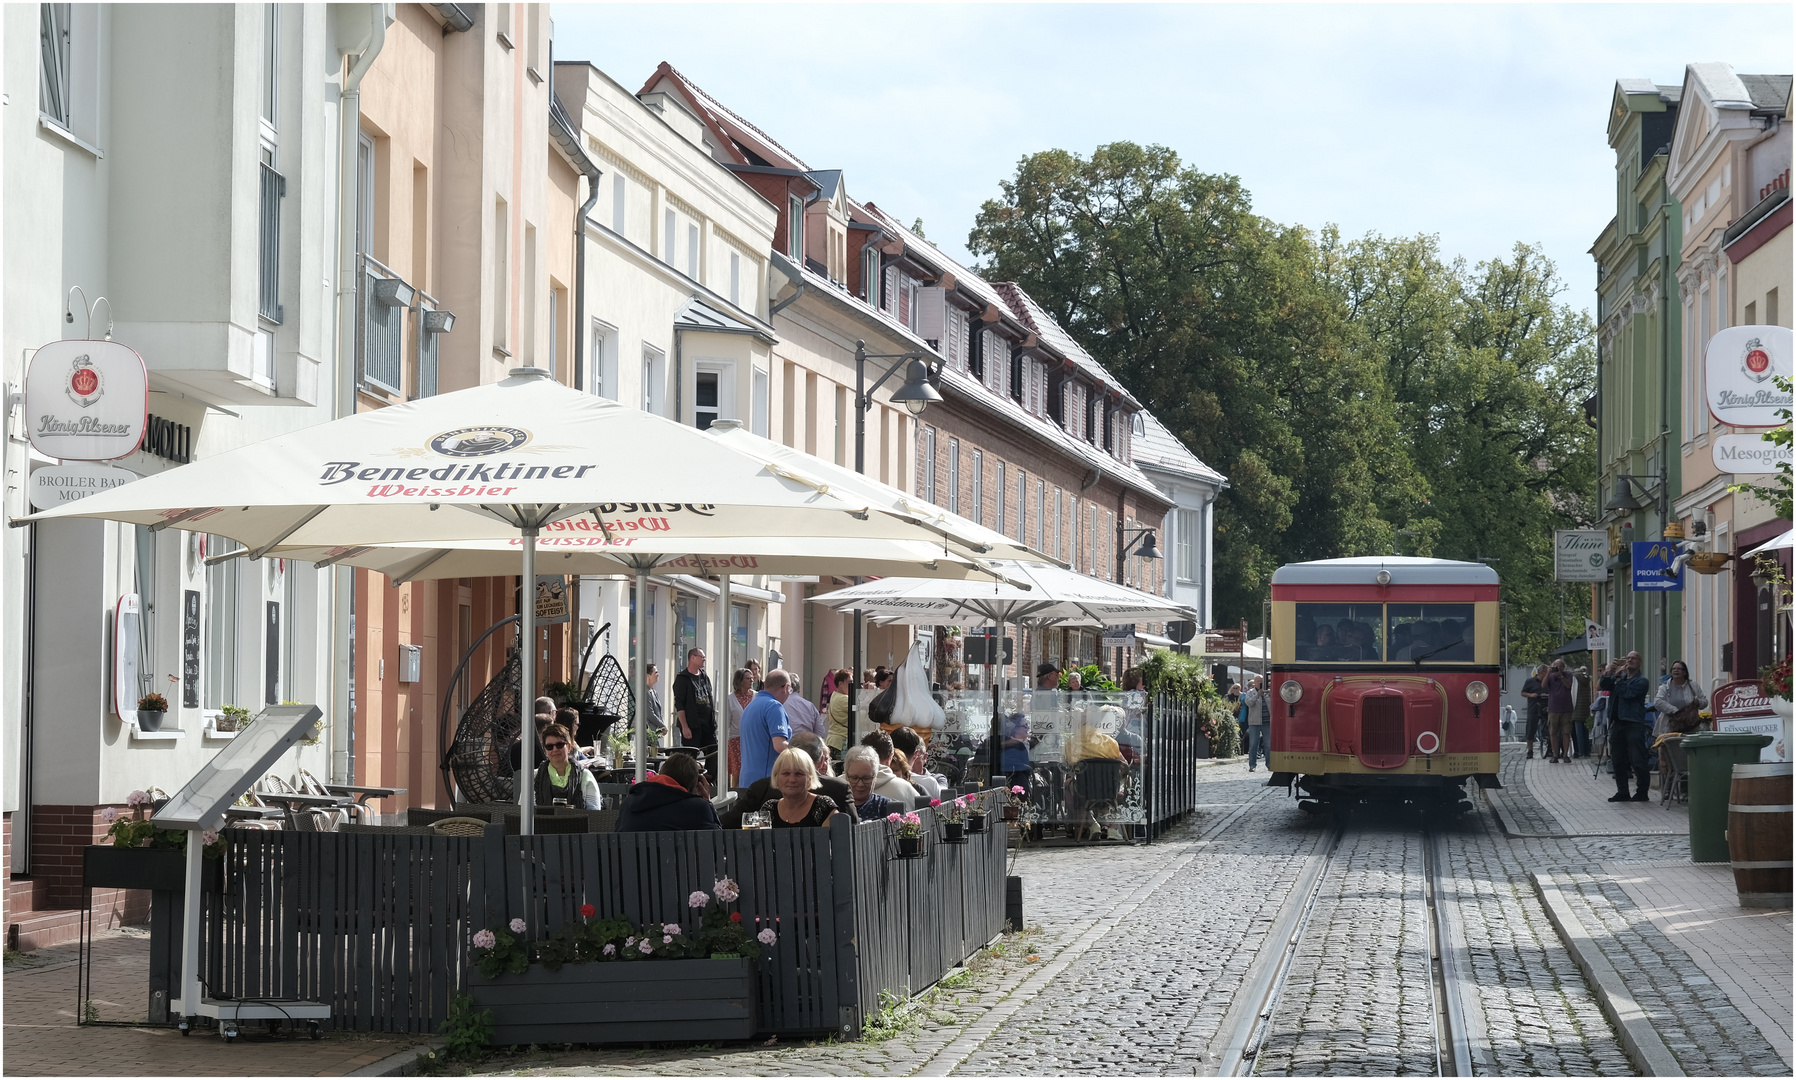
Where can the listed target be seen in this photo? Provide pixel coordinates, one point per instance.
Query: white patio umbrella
(1055, 596)
(518, 458)
(1776, 543)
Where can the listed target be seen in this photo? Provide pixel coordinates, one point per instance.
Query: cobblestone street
(1134, 955)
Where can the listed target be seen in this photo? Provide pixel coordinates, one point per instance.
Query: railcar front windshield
(1384, 633)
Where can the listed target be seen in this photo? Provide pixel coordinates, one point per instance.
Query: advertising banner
(1596, 636)
(1743, 707)
(1739, 365)
(1651, 559)
(1580, 555)
(86, 400)
(551, 599)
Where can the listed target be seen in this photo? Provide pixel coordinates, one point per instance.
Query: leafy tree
(1362, 397)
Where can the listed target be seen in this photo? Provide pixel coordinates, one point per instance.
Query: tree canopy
(1361, 396)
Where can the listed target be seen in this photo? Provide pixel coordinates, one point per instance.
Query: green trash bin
(1712, 756)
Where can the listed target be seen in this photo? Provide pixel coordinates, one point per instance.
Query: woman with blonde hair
(794, 775)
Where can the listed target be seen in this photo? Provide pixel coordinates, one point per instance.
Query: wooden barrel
(1758, 834)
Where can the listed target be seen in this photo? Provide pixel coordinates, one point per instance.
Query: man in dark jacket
(671, 801)
(761, 790)
(1628, 687)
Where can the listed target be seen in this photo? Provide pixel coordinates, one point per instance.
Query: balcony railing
(274, 188)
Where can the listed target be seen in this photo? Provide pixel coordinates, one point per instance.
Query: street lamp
(916, 392)
(1136, 541)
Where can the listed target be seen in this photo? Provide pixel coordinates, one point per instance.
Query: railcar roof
(1405, 570)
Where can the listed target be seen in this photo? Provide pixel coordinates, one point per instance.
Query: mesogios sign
(86, 400)
(1748, 454)
(1741, 364)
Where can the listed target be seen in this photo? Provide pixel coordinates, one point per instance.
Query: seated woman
(560, 780)
(794, 774)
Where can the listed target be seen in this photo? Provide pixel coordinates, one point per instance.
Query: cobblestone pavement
(1702, 1028)
(1359, 1001)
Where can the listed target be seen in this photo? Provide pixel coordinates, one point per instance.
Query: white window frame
(978, 486)
(501, 275)
(736, 278)
(759, 394)
(56, 64)
(692, 247)
(222, 669)
(928, 491)
(870, 276)
(998, 519)
(795, 228)
(953, 475)
(620, 204)
(670, 224)
(725, 370)
(601, 361)
(654, 379)
(1187, 534)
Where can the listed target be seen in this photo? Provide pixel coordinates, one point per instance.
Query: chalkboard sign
(271, 694)
(190, 648)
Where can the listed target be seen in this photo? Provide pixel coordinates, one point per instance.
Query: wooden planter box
(621, 1001)
(106, 867)
(1203, 746)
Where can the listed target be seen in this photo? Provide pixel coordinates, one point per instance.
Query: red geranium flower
(587, 911)
(735, 916)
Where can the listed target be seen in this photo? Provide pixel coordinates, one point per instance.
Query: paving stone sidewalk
(1544, 798)
(42, 1039)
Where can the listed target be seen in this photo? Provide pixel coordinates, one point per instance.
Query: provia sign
(1741, 362)
(1748, 454)
(59, 485)
(86, 400)
(1580, 555)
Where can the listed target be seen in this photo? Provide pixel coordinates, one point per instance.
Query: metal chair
(1674, 783)
(458, 826)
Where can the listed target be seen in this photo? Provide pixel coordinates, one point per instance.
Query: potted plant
(151, 710)
(976, 811)
(909, 830)
(679, 983)
(231, 718)
(1774, 683)
(143, 856)
(953, 817)
(1012, 808)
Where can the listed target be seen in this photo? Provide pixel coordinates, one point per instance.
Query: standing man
(1559, 713)
(765, 728)
(695, 707)
(1047, 676)
(802, 715)
(1628, 687)
(1259, 717)
(1535, 691)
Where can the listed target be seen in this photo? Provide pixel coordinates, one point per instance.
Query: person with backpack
(1257, 704)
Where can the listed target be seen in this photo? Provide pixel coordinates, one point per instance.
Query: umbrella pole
(995, 740)
(726, 675)
(642, 673)
(526, 690)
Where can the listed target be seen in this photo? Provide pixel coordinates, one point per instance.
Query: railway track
(1281, 982)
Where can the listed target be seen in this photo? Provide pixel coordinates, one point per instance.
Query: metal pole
(527, 690)
(642, 673)
(726, 673)
(996, 739)
(860, 466)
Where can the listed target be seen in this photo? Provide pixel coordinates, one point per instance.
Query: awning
(1581, 643)
(700, 587)
(1154, 641)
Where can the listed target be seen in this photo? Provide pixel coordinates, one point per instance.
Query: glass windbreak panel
(1340, 633)
(1437, 633)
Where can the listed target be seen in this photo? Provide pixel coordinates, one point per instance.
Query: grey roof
(1405, 570)
(700, 316)
(1768, 91)
(1032, 315)
(828, 181)
(1160, 449)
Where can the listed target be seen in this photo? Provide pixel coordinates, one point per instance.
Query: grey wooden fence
(379, 926)
(1170, 755)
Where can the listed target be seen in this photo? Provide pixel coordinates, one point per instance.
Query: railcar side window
(1441, 633)
(1341, 633)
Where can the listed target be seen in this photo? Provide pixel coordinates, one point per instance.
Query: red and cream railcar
(1383, 671)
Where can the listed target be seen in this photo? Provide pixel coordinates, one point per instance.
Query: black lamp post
(1137, 541)
(916, 392)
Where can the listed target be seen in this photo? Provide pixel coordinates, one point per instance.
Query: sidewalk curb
(1632, 1027)
(404, 1063)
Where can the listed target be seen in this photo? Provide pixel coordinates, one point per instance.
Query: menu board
(190, 649)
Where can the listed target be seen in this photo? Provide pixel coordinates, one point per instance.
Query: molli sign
(1742, 364)
(86, 400)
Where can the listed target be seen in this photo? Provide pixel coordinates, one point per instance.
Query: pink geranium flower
(484, 939)
(645, 946)
(725, 890)
(670, 928)
(518, 926)
(894, 817)
(698, 899)
(767, 937)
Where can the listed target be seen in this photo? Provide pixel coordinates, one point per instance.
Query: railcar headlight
(1291, 691)
(1476, 692)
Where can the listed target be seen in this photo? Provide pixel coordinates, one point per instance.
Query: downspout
(349, 121)
(561, 128)
(679, 374)
(794, 274)
(460, 22)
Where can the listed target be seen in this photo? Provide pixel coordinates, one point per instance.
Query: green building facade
(1639, 367)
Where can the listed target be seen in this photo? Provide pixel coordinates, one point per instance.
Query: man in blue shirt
(1628, 687)
(765, 728)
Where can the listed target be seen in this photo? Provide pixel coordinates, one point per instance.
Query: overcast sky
(1483, 124)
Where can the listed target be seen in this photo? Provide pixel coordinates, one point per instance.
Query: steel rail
(1452, 1035)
